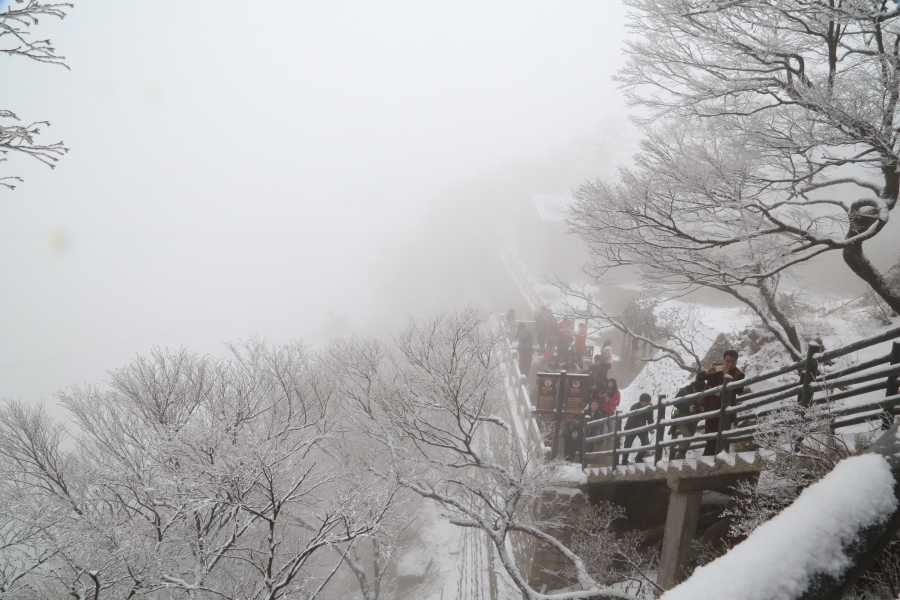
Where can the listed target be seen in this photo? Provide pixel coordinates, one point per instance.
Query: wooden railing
(530, 431)
(738, 414)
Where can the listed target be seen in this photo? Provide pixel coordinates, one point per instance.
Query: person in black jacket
(635, 421)
(591, 412)
(572, 432)
(716, 375)
(597, 375)
(525, 349)
(687, 408)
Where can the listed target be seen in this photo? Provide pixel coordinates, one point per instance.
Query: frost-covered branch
(15, 35)
(16, 40)
(673, 339)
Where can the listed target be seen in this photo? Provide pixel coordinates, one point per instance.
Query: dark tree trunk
(856, 258)
(764, 313)
(767, 291)
(857, 261)
(891, 184)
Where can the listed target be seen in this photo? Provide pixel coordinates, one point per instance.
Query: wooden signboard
(546, 397)
(589, 352)
(576, 393)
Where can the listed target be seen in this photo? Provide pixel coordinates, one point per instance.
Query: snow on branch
(16, 40)
(672, 333)
(21, 139)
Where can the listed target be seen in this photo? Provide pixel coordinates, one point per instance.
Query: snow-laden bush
(610, 557)
(803, 449)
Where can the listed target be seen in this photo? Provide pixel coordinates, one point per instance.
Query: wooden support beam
(681, 526)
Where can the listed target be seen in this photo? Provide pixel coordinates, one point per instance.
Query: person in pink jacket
(609, 398)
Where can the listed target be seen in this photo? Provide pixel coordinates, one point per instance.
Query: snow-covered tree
(612, 557)
(442, 396)
(26, 519)
(371, 560)
(16, 39)
(771, 138)
(680, 219)
(189, 477)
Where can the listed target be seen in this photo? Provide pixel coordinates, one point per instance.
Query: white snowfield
(780, 558)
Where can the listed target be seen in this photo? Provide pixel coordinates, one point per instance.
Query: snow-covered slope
(664, 376)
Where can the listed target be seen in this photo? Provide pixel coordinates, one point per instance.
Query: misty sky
(241, 169)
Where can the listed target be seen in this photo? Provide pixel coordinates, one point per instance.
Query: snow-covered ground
(442, 561)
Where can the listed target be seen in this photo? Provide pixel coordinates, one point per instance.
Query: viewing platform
(865, 391)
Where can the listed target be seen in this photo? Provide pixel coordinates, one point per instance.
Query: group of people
(605, 400)
(710, 378)
(560, 346)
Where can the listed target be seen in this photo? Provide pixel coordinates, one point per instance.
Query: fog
(284, 169)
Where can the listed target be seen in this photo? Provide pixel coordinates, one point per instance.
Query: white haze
(293, 170)
(284, 169)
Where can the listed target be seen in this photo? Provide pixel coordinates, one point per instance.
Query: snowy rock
(780, 559)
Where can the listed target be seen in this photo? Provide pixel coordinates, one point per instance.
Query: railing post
(615, 455)
(557, 421)
(724, 420)
(893, 387)
(810, 370)
(584, 434)
(660, 415)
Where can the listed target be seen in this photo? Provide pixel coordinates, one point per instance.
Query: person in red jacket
(581, 340)
(565, 333)
(549, 349)
(609, 398)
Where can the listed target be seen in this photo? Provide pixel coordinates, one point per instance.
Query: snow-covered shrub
(611, 557)
(876, 309)
(639, 315)
(881, 581)
(802, 449)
